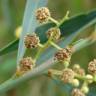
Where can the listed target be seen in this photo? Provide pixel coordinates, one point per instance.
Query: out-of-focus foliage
(11, 15)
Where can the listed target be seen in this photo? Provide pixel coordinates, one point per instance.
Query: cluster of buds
(67, 75)
(54, 33)
(31, 41)
(64, 54)
(78, 70)
(92, 67)
(43, 14)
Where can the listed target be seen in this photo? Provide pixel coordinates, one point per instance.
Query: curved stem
(54, 21)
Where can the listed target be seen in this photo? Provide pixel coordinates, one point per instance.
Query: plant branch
(11, 83)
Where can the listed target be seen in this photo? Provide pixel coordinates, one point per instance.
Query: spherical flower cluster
(31, 41)
(92, 67)
(42, 14)
(54, 33)
(63, 54)
(77, 92)
(67, 75)
(26, 64)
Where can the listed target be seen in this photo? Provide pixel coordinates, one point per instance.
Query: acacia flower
(42, 14)
(31, 41)
(26, 64)
(67, 75)
(63, 54)
(54, 33)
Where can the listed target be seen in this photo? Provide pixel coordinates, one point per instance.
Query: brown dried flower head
(77, 92)
(42, 14)
(54, 33)
(26, 64)
(31, 41)
(63, 55)
(92, 67)
(67, 75)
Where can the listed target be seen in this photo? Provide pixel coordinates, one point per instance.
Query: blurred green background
(11, 15)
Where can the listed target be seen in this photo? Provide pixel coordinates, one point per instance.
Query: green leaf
(10, 47)
(69, 27)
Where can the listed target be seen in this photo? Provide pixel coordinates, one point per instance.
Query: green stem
(40, 45)
(54, 21)
(55, 45)
(55, 72)
(66, 17)
(42, 49)
(82, 78)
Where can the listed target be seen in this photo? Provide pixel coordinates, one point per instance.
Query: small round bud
(77, 92)
(67, 75)
(42, 14)
(18, 32)
(89, 78)
(92, 67)
(85, 89)
(49, 73)
(63, 55)
(31, 41)
(75, 82)
(26, 64)
(54, 33)
(76, 67)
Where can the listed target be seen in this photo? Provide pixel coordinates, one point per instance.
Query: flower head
(42, 14)
(67, 75)
(63, 54)
(26, 64)
(31, 41)
(92, 67)
(54, 33)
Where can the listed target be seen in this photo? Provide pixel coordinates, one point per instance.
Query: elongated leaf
(29, 22)
(69, 27)
(10, 47)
